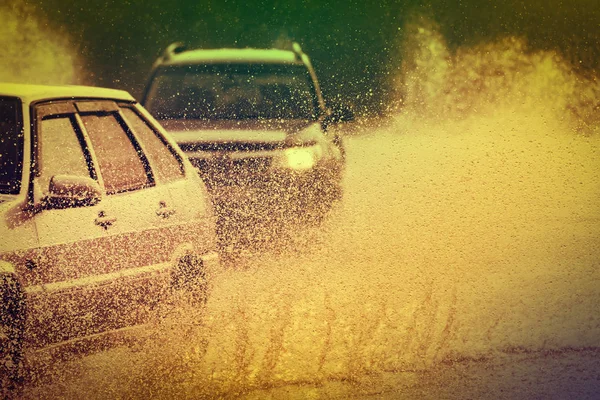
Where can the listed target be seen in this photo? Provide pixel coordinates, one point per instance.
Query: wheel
(190, 278)
(12, 319)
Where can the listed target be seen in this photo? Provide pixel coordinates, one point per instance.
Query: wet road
(463, 262)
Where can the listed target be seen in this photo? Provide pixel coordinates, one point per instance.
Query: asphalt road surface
(463, 262)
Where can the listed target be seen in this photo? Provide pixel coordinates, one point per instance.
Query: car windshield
(233, 92)
(11, 145)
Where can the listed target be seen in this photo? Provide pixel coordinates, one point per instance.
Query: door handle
(164, 211)
(104, 221)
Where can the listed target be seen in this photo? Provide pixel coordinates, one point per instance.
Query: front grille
(226, 171)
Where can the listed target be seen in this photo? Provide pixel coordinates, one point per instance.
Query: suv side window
(59, 150)
(165, 165)
(123, 167)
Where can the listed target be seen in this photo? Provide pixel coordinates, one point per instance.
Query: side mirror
(339, 113)
(72, 191)
(342, 113)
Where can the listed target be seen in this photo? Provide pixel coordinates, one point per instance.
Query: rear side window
(164, 163)
(120, 162)
(11, 146)
(60, 150)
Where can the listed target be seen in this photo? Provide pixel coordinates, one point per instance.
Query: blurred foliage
(29, 55)
(354, 44)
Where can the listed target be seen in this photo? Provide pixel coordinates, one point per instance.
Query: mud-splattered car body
(101, 219)
(254, 123)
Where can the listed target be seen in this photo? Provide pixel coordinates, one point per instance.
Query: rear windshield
(233, 91)
(11, 145)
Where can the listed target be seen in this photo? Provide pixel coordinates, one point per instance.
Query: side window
(59, 150)
(120, 164)
(164, 163)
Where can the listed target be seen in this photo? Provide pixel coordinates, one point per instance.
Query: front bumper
(250, 185)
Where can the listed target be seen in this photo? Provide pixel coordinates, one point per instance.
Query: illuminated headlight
(300, 158)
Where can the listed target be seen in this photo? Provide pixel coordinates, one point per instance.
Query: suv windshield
(11, 146)
(233, 91)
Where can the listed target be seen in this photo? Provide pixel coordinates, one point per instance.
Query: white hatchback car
(101, 219)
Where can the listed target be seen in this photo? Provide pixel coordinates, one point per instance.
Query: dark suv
(102, 220)
(254, 123)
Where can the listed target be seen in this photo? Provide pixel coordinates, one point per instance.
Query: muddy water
(469, 231)
(455, 241)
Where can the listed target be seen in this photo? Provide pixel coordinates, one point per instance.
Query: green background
(355, 45)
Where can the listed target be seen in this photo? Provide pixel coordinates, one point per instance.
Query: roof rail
(173, 48)
(297, 50)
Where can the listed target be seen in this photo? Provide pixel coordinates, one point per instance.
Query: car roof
(29, 93)
(229, 55)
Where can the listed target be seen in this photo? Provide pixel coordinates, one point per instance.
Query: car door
(69, 237)
(191, 215)
(102, 267)
(137, 211)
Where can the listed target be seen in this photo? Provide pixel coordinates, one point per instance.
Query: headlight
(300, 158)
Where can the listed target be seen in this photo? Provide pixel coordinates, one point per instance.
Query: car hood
(247, 131)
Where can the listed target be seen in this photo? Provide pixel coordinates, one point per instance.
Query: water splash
(468, 231)
(505, 73)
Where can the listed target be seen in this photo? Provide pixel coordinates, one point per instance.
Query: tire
(12, 312)
(190, 278)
